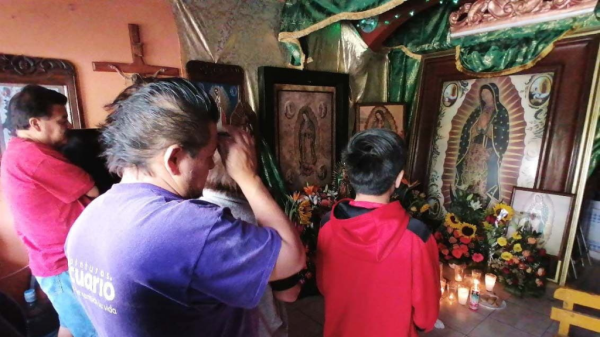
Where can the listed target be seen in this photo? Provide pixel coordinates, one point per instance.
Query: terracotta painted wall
(81, 31)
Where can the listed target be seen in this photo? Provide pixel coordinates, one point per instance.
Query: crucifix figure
(137, 66)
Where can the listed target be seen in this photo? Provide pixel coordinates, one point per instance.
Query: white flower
(475, 205)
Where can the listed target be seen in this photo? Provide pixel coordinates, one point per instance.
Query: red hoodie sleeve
(426, 284)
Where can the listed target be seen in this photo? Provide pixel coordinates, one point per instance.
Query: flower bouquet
(519, 261)
(460, 238)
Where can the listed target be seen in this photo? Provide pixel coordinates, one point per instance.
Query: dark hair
(33, 101)
(373, 160)
(169, 111)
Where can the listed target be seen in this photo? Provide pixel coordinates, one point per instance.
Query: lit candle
(490, 282)
(443, 285)
(463, 295)
(476, 285)
(459, 273)
(451, 298)
(474, 302)
(476, 274)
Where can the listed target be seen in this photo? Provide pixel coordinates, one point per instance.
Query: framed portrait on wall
(389, 116)
(17, 71)
(489, 135)
(304, 119)
(494, 133)
(548, 213)
(225, 84)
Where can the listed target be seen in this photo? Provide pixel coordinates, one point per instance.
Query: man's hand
(238, 154)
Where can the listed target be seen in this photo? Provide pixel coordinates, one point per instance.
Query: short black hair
(153, 117)
(373, 159)
(33, 101)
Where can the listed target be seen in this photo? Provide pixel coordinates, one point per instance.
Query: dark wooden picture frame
(569, 216)
(222, 76)
(20, 69)
(571, 61)
(279, 82)
(396, 123)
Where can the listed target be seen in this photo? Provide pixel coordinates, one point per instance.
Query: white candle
(463, 295)
(459, 273)
(490, 282)
(476, 285)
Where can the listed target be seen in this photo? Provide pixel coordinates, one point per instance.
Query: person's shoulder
(419, 228)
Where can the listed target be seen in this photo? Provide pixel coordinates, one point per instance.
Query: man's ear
(172, 159)
(35, 124)
(399, 179)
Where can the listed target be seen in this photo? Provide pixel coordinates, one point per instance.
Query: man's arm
(93, 193)
(289, 295)
(239, 158)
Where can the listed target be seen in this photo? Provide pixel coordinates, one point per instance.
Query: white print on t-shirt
(95, 281)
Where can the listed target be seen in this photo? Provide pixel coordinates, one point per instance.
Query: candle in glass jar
(459, 274)
(443, 285)
(476, 274)
(463, 295)
(490, 282)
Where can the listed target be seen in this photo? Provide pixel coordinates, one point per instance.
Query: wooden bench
(567, 317)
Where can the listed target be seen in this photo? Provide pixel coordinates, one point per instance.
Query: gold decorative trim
(283, 36)
(591, 122)
(487, 15)
(508, 71)
(409, 53)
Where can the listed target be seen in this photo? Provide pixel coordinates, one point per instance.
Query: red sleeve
(62, 179)
(426, 284)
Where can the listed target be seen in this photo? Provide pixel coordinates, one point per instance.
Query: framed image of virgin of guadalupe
(224, 83)
(304, 119)
(492, 134)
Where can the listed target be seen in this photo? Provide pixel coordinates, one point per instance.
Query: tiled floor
(529, 317)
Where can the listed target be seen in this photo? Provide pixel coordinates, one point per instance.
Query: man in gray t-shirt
(272, 318)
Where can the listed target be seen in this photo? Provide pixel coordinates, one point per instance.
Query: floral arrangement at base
(417, 204)
(305, 209)
(519, 261)
(460, 238)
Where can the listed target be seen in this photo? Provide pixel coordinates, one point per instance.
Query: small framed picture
(380, 116)
(548, 213)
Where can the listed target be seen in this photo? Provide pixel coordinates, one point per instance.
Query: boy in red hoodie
(376, 267)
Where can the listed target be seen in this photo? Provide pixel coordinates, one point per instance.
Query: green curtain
(298, 15)
(514, 48)
(425, 33)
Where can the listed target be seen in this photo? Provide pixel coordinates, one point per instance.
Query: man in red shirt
(45, 194)
(376, 267)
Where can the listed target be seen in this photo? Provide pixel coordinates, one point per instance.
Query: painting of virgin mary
(483, 143)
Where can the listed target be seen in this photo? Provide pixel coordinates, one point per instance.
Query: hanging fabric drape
(425, 33)
(300, 18)
(496, 53)
(339, 48)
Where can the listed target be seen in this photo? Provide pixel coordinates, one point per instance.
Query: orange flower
(309, 190)
(296, 196)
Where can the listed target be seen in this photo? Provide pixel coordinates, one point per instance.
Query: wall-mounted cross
(138, 66)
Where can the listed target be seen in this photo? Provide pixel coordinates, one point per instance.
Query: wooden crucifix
(138, 66)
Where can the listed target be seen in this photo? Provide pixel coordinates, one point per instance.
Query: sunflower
(452, 221)
(305, 212)
(468, 230)
(499, 207)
